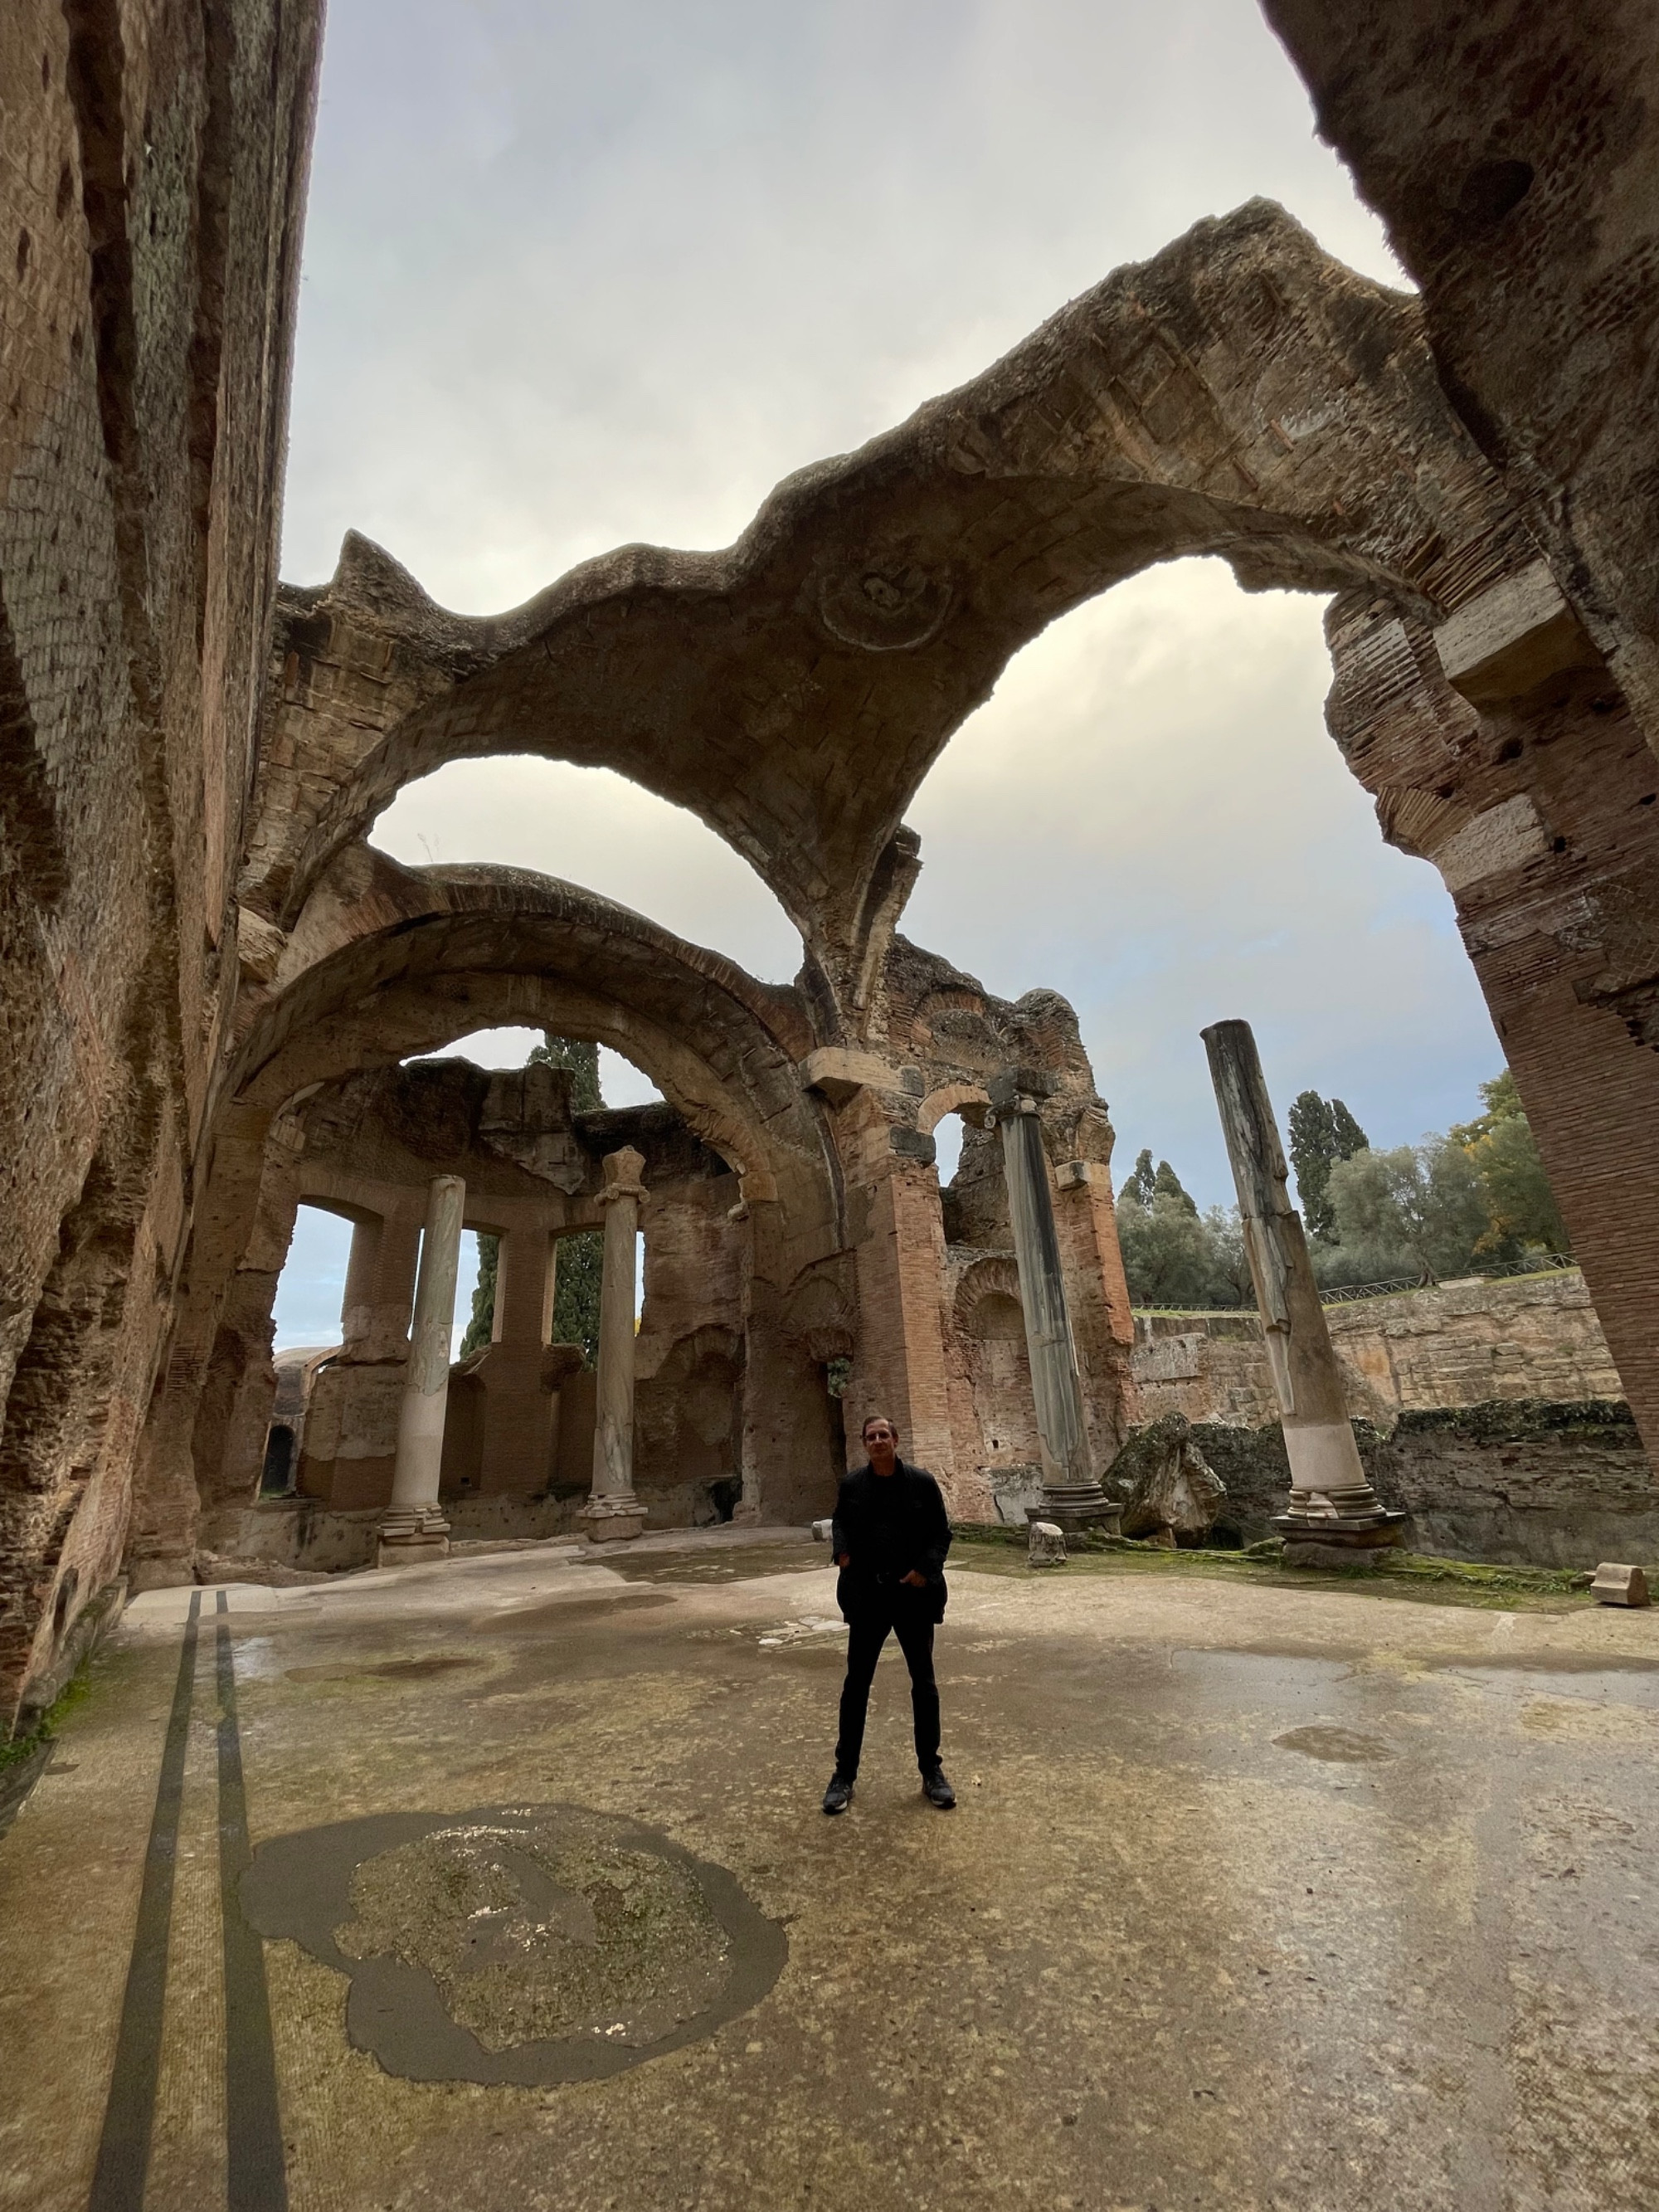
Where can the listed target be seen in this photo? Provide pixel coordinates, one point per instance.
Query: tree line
(1472, 1198)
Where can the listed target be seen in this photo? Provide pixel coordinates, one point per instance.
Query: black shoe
(839, 1796)
(935, 1787)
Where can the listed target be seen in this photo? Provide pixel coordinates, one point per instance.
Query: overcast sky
(580, 272)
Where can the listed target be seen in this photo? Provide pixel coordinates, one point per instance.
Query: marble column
(414, 1526)
(1072, 1494)
(612, 1512)
(1332, 1506)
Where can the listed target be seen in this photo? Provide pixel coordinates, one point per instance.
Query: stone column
(414, 1526)
(612, 1512)
(1072, 1494)
(1333, 1506)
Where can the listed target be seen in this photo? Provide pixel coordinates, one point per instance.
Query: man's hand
(915, 1578)
(844, 1558)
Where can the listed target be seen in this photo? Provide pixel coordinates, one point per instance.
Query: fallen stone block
(1170, 1491)
(1619, 1585)
(1047, 1545)
(821, 1531)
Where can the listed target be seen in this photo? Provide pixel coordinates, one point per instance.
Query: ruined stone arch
(971, 1100)
(389, 962)
(1243, 394)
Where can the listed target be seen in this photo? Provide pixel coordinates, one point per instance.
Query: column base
(1078, 1505)
(616, 1520)
(411, 1536)
(1346, 1539)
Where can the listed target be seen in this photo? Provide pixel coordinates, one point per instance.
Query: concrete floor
(1256, 1897)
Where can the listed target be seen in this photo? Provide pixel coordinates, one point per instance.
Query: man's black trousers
(868, 1630)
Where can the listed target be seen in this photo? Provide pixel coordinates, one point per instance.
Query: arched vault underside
(1241, 394)
(393, 962)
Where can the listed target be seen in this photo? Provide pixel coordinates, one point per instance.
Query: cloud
(580, 276)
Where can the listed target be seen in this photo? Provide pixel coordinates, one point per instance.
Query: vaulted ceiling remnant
(1241, 394)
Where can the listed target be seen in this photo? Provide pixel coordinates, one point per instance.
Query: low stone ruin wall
(1532, 1337)
(1521, 1482)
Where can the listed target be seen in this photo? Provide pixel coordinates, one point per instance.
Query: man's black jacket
(918, 1536)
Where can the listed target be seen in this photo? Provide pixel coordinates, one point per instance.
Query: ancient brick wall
(1461, 1344)
(152, 160)
(1509, 149)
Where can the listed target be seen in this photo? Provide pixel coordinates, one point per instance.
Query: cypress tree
(1141, 1181)
(1166, 1183)
(1322, 1131)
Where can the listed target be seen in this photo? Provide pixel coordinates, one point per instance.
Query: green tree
(1418, 1210)
(1166, 1183)
(1142, 1181)
(1172, 1255)
(578, 1261)
(1322, 1131)
(481, 1321)
(1502, 1100)
(1521, 1206)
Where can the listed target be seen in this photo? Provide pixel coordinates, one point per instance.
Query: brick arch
(950, 1099)
(1243, 394)
(996, 1276)
(390, 961)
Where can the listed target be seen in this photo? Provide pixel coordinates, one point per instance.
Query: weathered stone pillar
(413, 1527)
(612, 1512)
(1332, 1503)
(1072, 1495)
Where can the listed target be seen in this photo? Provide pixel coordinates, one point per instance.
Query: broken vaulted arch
(1241, 394)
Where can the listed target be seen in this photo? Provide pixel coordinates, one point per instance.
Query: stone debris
(1169, 1490)
(1047, 1545)
(1619, 1585)
(821, 1531)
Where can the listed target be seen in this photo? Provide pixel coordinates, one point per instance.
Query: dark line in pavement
(255, 2178)
(118, 2181)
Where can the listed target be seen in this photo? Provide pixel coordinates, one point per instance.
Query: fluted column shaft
(612, 1510)
(1331, 1499)
(414, 1520)
(1072, 1491)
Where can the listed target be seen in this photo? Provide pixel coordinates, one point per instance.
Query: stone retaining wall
(1466, 1343)
(1518, 1481)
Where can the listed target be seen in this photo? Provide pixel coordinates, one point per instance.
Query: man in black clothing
(891, 1536)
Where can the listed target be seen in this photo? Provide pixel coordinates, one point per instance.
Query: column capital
(622, 1172)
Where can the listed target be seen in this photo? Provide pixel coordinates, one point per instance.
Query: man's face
(882, 1445)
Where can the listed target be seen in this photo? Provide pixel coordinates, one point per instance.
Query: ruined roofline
(1241, 394)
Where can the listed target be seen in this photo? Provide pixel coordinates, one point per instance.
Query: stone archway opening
(354, 1072)
(597, 825)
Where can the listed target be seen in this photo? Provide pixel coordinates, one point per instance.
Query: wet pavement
(503, 1884)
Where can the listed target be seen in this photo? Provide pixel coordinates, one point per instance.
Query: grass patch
(1409, 1575)
(75, 1692)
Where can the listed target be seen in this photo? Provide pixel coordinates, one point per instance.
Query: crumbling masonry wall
(150, 196)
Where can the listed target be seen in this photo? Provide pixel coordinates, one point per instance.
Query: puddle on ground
(750, 1563)
(389, 1670)
(811, 1626)
(1346, 1747)
(554, 1611)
